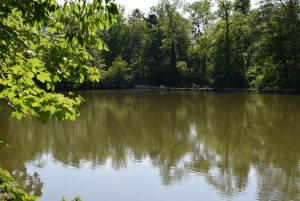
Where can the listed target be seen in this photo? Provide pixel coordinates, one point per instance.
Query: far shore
(284, 91)
(199, 89)
(204, 89)
(280, 91)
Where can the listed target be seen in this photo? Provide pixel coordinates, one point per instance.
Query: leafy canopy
(44, 44)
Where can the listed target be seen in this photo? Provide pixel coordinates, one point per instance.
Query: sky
(145, 5)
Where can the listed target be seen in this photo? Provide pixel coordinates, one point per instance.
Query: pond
(162, 146)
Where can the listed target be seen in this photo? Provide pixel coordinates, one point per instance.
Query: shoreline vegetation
(211, 43)
(279, 91)
(203, 89)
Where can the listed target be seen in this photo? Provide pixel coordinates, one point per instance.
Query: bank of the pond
(88, 87)
(278, 91)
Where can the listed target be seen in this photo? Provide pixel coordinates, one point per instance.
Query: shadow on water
(217, 135)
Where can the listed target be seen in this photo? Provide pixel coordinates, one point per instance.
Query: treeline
(207, 43)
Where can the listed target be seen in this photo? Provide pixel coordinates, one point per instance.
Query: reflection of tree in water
(30, 183)
(220, 136)
(250, 131)
(280, 185)
(20, 152)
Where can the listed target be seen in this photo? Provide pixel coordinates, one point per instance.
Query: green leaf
(11, 94)
(28, 81)
(17, 115)
(17, 69)
(43, 77)
(78, 100)
(49, 86)
(35, 62)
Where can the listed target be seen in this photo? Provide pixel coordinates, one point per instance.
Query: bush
(118, 75)
(10, 191)
(183, 70)
(266, 75)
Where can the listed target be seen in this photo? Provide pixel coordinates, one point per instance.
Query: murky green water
(145, 146)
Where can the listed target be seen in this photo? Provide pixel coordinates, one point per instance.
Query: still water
(168, 146)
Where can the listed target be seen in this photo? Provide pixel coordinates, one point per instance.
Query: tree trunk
(228, 53)
(174, 76)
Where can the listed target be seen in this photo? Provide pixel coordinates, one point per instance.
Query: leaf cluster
(44, 44)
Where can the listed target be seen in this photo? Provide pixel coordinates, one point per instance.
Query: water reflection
(218, 136)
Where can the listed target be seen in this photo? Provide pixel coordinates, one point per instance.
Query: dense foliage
(219, 43)
(9, 191)
(44, 43)
(118, 75)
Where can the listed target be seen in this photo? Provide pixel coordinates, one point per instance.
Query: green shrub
(118, 74)
(10, 191)
(265, 75)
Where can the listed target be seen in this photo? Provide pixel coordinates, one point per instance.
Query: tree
(136, 15)
(154, 55)
(137, 32)
(201, 15)
(225, 8)
(44, 44)
(172, 40)
(275, 63)
(242, 6)
(127, 39)
(201, 60)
